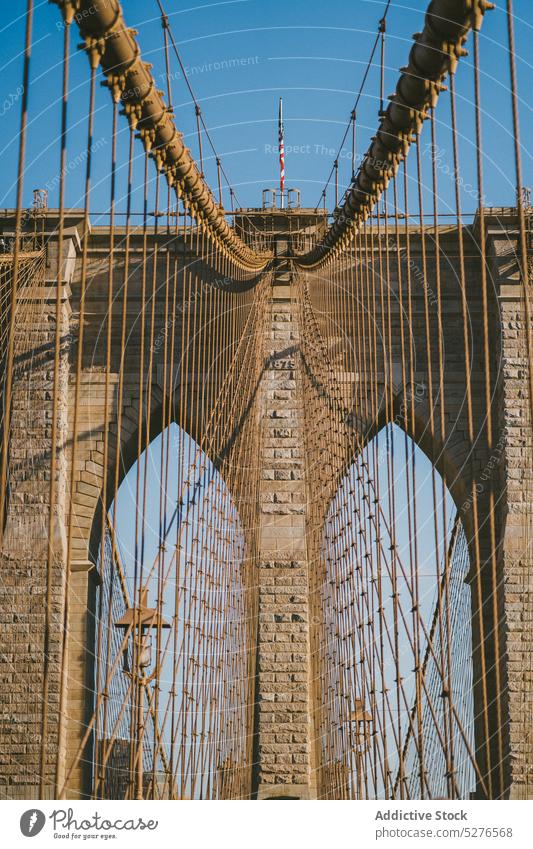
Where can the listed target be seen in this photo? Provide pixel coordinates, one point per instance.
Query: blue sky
(241, 56)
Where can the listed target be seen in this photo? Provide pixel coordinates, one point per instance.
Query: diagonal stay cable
(168, 28)
(357, 99)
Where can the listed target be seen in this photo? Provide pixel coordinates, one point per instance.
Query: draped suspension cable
(435, 54)
(198, 111)
(110, 44)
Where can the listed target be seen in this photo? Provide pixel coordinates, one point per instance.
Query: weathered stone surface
(284, 746)
(284, 757)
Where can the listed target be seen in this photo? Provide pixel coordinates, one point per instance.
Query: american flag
(281, 152)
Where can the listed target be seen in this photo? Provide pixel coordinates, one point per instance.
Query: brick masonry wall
(24, 550)
(514, 453)
(283, 711)
(284, 749)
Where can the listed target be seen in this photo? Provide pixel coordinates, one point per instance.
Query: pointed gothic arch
(192, 575)
(393, 599)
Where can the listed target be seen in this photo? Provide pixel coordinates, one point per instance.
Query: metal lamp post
(141, 620)
(360, 721)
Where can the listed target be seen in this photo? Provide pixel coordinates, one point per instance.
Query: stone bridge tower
(285, 744)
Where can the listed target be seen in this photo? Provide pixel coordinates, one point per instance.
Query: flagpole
(281, 140)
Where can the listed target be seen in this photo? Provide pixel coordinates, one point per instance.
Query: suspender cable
(382, 30)
(57, 353)
(199, 134)
(111, 43)
(354, 149)
(358, 98)
(434, 55)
